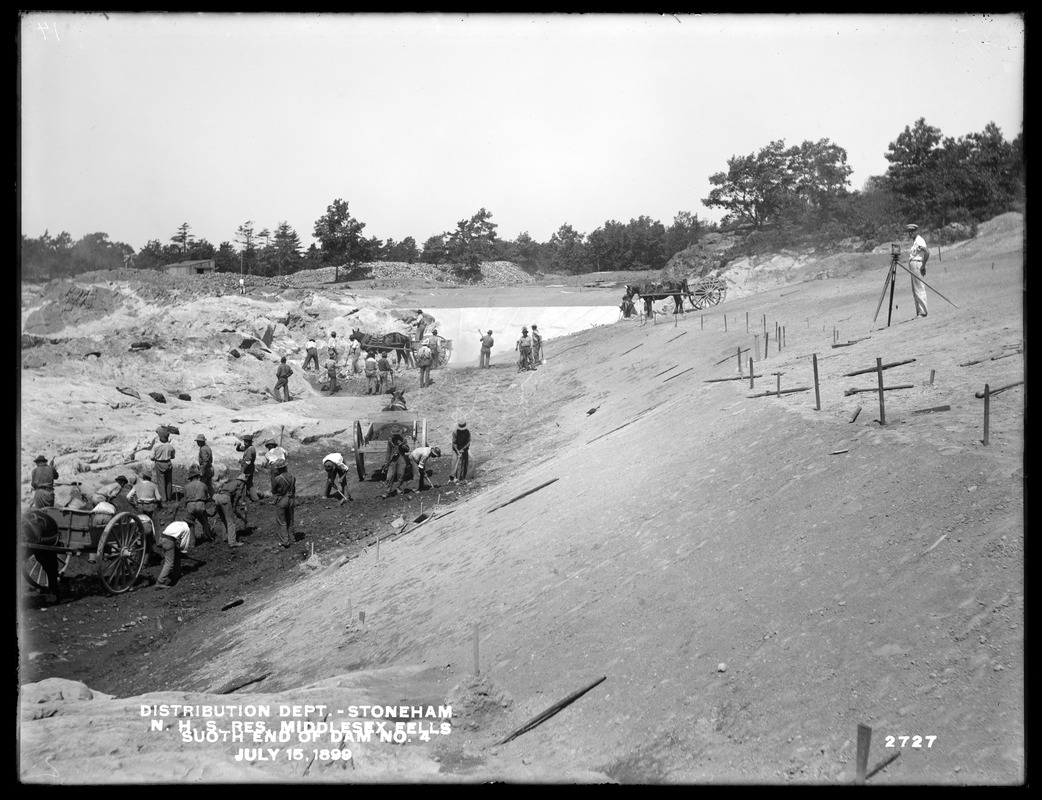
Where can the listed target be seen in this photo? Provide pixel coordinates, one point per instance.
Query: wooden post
(477, 670)
(766, 345)
(882, 409)
(932, 373)
(751, 372)
(746, 321)
(987, 404)
(817, 394)
(864, 742)
(739, 361)
(777, 335)
(783, 335)
(725, 323)
(703, 324)
(779, 384)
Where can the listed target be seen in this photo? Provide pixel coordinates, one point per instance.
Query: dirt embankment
(753, 576)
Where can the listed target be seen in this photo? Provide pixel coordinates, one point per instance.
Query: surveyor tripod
(891, 278)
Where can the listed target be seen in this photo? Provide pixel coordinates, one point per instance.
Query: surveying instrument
(891, 278)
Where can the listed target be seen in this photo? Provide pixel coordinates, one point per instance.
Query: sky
(132, 124)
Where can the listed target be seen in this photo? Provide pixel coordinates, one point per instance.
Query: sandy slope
(753, 577)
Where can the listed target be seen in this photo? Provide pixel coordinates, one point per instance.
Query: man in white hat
(918, 255)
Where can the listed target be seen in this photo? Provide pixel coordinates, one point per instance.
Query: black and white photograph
(521, 399)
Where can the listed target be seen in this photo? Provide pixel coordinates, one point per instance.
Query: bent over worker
(336, 470)
(229, 499)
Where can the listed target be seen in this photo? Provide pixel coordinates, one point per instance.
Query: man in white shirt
(312, 350)
(918, 255)
(419, 458)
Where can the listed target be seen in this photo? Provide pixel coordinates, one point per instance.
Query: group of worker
(530, 349)
(400, 458)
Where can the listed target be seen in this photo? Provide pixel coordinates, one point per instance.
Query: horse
(399, 342)
(397, 401)
(40, 528)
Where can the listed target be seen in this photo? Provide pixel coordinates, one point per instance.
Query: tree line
(780, 196)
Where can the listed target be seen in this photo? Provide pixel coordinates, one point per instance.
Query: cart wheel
(34, 574)
(359, 455)
(121, 552)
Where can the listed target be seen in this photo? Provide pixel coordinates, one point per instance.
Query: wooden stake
(751, 373)
(979, 395)
(987, 406)
(777, 336)
(856, 412)
(739, 361)
(766, 345)
(538, 719)
(702, 324)
(477, 670)
(882, 409)
(725, 323)
(932, 373)
(817, 392)
(779, 384)
(864, 742)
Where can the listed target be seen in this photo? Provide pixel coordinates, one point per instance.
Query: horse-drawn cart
(401, 345)
(119, 542)
(373, 435)
(709, 291)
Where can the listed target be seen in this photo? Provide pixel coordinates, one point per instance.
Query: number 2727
(917, 741)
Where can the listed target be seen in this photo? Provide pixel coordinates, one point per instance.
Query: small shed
(190, 267)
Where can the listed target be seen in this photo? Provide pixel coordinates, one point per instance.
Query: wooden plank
(523, 494)
(994, 392)
(932, 410)
(632, 349)
(736, 378)
(542, 717)
(671, 377)
(873, 369)
(849, 392)
(775, 392)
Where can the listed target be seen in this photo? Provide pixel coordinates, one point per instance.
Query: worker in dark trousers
(230, 499)
(196, 495)
(284, 490)
(248, 463)
(205, 461)
(42, 482)
(163, 464)
(282, 373)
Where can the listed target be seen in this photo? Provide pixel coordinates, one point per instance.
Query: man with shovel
(336, 470)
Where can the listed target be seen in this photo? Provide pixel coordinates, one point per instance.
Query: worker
(282, 373)
(524, 349)
(435, 344)
(331, 371)
(284, 491)
(371, 374)
(354, 353)
(332, 346)
(196, 495)
(396, 464)
(205, 461)
(175, 540)
(144, 497)
(111, 493)
(273, 452)
(423, 361)
(419, 458)
(385, 372)
(163, 463)
(461, 449)
(312, 353)
(336, 470)
(42, 482)
(486, 349)
(229, 498)
(421, 324)
(537, 345)
(248, 463)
